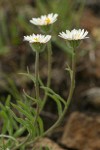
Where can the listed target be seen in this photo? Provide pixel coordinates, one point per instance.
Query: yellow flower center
(47, 20)
(77, 36)
(36, 39)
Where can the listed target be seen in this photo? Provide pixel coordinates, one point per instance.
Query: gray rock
(82, 132)
(92, 97)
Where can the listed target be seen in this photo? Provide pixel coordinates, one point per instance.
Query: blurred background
(82, 122)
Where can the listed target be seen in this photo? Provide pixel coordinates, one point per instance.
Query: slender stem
(7, 136)
(21, 144)
(49, 63)
(37, 75)
(37, 97)
(37, 85)
(72, 86)
(49, 72)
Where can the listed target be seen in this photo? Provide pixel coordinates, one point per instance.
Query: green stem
(21, 144)
(49, 72)
(37, 97)
(72, 86)
(37, 75)
(9, 137)
(37, 85)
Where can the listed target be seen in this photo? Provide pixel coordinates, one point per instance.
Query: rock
(45, 142)
(92, 97)
(82, 132)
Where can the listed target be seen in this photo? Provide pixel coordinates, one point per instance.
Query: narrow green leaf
(31, 98)
(59, 106)
(31, 77)
(5, 119)
(13, 123)
(2, 106)
(9, 127)
(7, 103)
(40, 81)
(33, 129)
(41, 126)
(24, 106)
(52, 92)
(24, 112)
(21, 121)
(19, 132)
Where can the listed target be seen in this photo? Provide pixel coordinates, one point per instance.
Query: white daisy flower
(74, 34)
(37, 38)
(44, 20)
